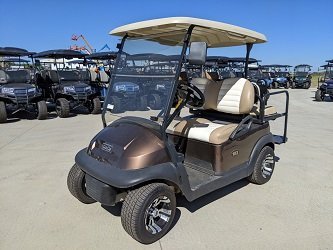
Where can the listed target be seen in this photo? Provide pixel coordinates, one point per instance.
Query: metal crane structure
(87, 48)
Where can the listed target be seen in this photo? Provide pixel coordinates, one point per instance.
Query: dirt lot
(293, 211)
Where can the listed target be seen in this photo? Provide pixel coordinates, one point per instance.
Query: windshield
(142, 80)
(329, 72)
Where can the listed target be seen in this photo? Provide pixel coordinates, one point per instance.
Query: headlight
(7, 90)
(32, 90)
(68, 89)
(87, 89)
(120, 88)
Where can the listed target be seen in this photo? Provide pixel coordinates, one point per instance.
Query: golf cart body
(302, 76)
(100, 75)
(17, 89)
(205, 142)
(325, 85)
(280, 75)
(65, 87)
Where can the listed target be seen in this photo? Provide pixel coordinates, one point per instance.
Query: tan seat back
(3, 76)
(103, 77)
(93, 75)
(236, 96)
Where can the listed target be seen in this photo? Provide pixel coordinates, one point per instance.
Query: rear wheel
(264, 166)
(62, 107)
(148, 212)
(42, 113)
(319, 96)
(154, 101)
(95, 106)
(3, 112)
(76, 184)
(293, 85)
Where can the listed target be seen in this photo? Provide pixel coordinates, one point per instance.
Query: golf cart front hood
(129, 145)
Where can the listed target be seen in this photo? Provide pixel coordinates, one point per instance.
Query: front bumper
(124, 179)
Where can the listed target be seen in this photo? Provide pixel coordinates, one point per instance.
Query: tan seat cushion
(202, 130)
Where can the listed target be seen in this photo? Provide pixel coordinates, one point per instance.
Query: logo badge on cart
(107, 147)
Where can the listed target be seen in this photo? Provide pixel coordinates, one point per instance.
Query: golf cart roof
(59, 53)
(12, 51)
(102, 55)
(13, 59)
(81, 61)
(171, 30)
(330, 61)
(242, 59)
(303, 65)
(276, 66)
(217, 59)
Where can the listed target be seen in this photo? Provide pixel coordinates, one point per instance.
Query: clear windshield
(329, 72)
(142, 80)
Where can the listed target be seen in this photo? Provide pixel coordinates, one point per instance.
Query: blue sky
(297, 31)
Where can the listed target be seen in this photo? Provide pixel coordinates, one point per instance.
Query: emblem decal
(107, 147)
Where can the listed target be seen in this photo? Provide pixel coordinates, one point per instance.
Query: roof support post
(248, 50)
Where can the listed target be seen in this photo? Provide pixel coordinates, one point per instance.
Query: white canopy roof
(171, 31)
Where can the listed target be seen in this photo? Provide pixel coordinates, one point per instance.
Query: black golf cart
(280, 75)
(325, 85)
(215, 136)
(65, 87)
(17, 89)
(302, 76)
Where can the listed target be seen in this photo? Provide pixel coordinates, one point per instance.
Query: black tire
(62, 107)
(287, 86)
(42, 113)
(154, 101)
(95, 106)
(135, 218)
(264, 166)
(307, 85)
(318, 95)
(3, 112)
(143, 103)
(293, 85)
(76, 185)
(117, 106)
(275, 85)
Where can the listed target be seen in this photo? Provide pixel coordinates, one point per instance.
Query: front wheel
(287, 86)
(41, 110)
(62, 107)
(154, 101)
(307, 85)
(318, 96)
(95, 106)
(293, 85)
(275, 85)
(264, 166)
(3, 112)
(76, 184)
(148, 212)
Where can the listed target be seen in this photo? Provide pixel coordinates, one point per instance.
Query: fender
(262, 142)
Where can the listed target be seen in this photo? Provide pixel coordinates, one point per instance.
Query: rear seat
(233, 96)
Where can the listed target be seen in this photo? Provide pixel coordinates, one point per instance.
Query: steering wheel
(191, 94)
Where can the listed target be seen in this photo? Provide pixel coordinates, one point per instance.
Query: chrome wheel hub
(158, 215)
(267, 166)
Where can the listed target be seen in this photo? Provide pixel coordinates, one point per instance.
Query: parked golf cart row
(216, 133)
(270, 76)
(325, 84)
